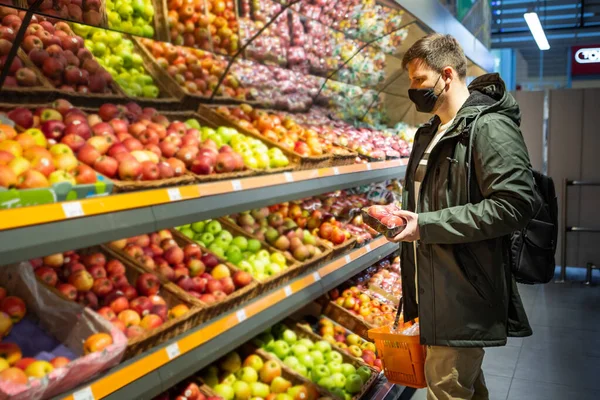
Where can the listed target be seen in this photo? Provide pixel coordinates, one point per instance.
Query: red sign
(585, 60)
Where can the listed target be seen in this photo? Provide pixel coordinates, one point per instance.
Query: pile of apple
(274, 226)
(87, 11)
(223, 26)
(363, 306)
(350, 342)
(100, 282)
(189, 24)
(287, 133)
(196, 71)
(231, 378)
(118, 56)
(200, 273)
(29, 160)
(315, 361)
(18, 369)
(135, 17)
(246, 254)
(62, 58)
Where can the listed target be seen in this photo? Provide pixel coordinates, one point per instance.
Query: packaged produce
(383, 219)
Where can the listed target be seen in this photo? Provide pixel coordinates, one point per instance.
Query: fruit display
(118, 55)
(245, 376)
(271, 47)
(196, 71)
(87, 11)
(197, 271)
(187, 390)
(286, 132)
(386, 280)
(345, 340)
(223, 26)
(246, 253)
(133, 301)
(275, 226)
(315, 361)
(188, 24)
(135, 17)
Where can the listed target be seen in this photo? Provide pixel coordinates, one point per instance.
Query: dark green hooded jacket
(467, 296)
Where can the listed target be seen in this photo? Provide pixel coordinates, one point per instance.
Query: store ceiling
(566, 22)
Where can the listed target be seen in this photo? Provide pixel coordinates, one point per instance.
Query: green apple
(241, 242)
(306, 360)
(214, 227)
(225, 236)
(284, 396)
(125, 10)
(289, 336)
(264, 340)
(207, 238)
(217, 139)
(263, 255)
(333, 356)
(318, 357)
(299, 349)
(224, 391)
(323, 346)
(278, 329)
(334, 367)
(242, 390)
(245, 266)
(99, 49)
(262, 160)
(279, 258)
(228, 379)
(258, 266)
(234, 254)
(338, 392)
(193, 123)
(339, 379)
(247, 374)
(273, 269)
(198, 226)
(217, 250)
(250, 161)
(319, 372)
(205, 131)
(302, 370)
(260, 389)
(327, 382)
(238, 139)
(281, 349)
(307, 342)
(210, 376)
(354, 383)
(188, 233)
(364, 372)
(226, 133)
(253, 245)
(150, 91)
(348, 369)
(231, 362)
(291, 362)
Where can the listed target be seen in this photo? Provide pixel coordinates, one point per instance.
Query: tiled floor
(562, 358)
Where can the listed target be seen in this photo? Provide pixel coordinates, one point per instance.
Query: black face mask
(424, 99)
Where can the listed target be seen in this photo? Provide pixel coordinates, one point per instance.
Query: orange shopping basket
(403, 357)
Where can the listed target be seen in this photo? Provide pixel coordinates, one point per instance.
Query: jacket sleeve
(501, 166)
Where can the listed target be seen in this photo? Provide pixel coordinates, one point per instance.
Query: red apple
(147, 284)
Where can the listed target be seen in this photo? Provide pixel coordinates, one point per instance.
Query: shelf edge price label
(316, 276)
(173, 350)
(348, 258)
(368, 247)
(72, 209)
(84, 394)
(369, 167)
(241, 315)
(336, 171)
(174, 194)
(288, 291)
(289, 177)
(236, 184)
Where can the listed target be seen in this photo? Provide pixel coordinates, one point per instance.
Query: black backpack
(533, 247)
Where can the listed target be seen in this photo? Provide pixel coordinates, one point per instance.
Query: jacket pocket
(475, 273)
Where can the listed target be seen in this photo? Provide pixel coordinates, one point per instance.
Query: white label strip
(236, 184)
(336, 171)
(174, 194)
(241, 315)
(73, 209)
(289, 177)
(316, 276)
(368, 247)
(369, 166)
(84, 394)
(348, 258)
(288, 291)
(173, 350)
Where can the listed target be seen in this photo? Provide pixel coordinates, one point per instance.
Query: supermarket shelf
(40, 230)
(149, 374)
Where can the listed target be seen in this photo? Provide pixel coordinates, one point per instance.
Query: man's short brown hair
(438, 51)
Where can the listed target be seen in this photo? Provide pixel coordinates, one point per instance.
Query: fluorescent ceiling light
(535, 26)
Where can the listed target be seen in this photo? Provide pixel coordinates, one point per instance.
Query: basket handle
(397, 319)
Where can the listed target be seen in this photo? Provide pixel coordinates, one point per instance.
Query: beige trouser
(455, 373)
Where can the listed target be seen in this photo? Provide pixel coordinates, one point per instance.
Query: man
(455, 255)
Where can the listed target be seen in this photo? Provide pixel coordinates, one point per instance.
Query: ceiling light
(535, 26)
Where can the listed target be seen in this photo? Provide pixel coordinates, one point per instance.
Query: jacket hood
(488, 94)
